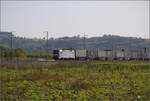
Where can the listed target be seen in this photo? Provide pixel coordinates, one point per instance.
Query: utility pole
(1, 56)
(84, 41)
(53, 44)
(130, 46)
(47, 49)
(149, 36)
(149, 30)
(11, 46)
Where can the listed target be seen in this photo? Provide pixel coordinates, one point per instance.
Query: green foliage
(38, 55)
(20, 53)
(77, 81)
(6, 52)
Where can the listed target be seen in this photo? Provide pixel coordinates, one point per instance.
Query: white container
(92, 54)
(148, 54)
(102, 54)
(109, 54)
(81, 53)
(127, 55)
(134, 55)
(66, 54)
(120, 54)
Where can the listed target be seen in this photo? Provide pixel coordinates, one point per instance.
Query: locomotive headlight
(60, 50)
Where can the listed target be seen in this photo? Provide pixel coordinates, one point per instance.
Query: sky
(71, 18)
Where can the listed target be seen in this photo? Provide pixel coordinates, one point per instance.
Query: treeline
(77, 42)
(8, 53)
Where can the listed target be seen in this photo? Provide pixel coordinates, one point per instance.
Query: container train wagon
(82, 54)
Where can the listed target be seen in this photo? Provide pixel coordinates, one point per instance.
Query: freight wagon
(128, 55)
(82, 54)
(102, 54)
(133, 55)
(109, 54)
(92, 54)
(120, 55)
(148, 55)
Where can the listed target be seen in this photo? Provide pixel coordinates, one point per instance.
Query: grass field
(76, 81)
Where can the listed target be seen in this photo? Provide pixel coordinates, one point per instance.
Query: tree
(5, 52)
(20, 53)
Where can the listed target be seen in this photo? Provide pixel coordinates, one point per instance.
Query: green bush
(38, 55)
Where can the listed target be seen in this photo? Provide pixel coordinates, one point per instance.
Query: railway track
(52, 61)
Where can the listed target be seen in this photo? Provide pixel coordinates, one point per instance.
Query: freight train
(99, 54)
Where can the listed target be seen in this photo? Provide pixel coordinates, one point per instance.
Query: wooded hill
(105, 42)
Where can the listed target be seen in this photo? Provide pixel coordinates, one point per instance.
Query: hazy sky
(69, 18)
